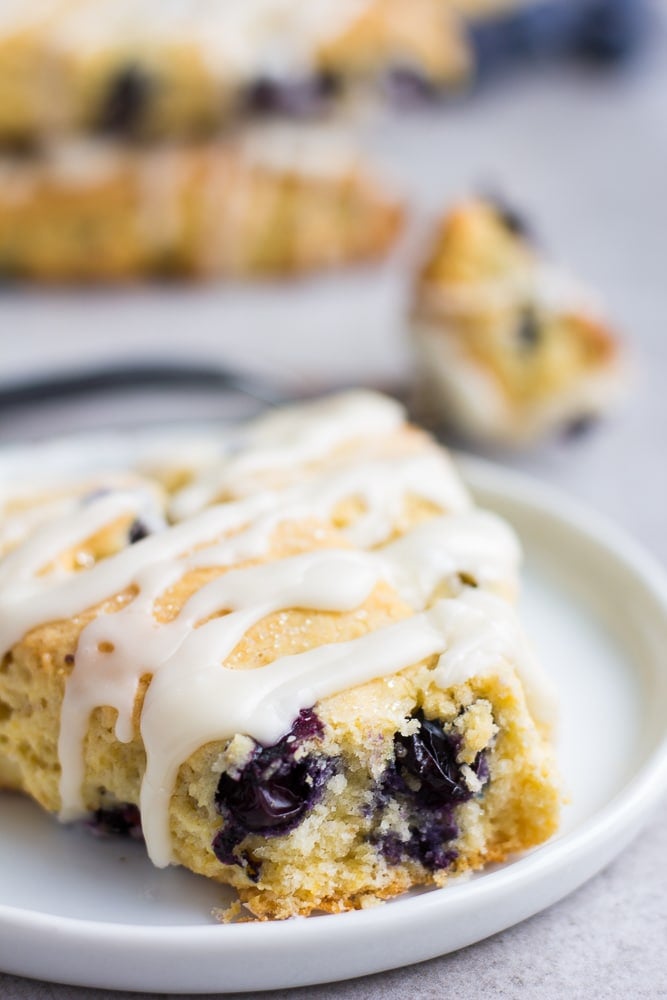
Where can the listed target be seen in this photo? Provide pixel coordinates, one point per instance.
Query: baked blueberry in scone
(306, 681)
(277, 201)
(508, 347)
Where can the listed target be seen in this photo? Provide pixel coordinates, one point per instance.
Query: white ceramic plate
(84, 911)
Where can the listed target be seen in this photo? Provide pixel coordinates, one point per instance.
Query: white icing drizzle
(193, 697)
(315, 151)
(14, 528)
(55, 466)
(240, 40)
(476, 543)
(23, 564)
(288, 438)
(544, 285)
(483, 630)
(381, 485)
(25, 507)
(17, 15)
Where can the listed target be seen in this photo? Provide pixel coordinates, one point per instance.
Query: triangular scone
(313, 693)
(507, 347)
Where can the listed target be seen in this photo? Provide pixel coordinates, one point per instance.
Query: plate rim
(592, 844)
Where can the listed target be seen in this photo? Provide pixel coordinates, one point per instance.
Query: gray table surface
(586, 156)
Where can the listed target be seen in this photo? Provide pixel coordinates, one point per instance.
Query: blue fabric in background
(599, 30)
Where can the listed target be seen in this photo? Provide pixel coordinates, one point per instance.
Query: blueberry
(429, 755)
(123, 821)
(481, 768)
(512, 219)
(329, 84)
(406, 86)
(262, 95)
(580, 426)
(426, 845)
(426, 780)
(529, 330)
(126, 101)
(137, 531)
(274, 791)
(307, 96)
(307, 726)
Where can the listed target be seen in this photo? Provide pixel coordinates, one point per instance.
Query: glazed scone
(508, 348)
(143, 69)
(310, 693)
(280, 202)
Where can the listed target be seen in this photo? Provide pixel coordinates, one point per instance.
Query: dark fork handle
(147, 376)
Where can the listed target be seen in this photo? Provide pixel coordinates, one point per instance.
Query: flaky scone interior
(299, 673)
(508, 347)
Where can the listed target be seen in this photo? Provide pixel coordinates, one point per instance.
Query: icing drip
(290, 437)
(543, 285)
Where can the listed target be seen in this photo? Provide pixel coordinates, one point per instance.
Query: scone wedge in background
(274, 202)
(301, 673)
(141, 69)
(145, 69)
(508, 348)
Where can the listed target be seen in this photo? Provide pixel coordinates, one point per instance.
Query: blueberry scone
(274, 202)
(299, 673)
(507, 347)
(141, 68)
